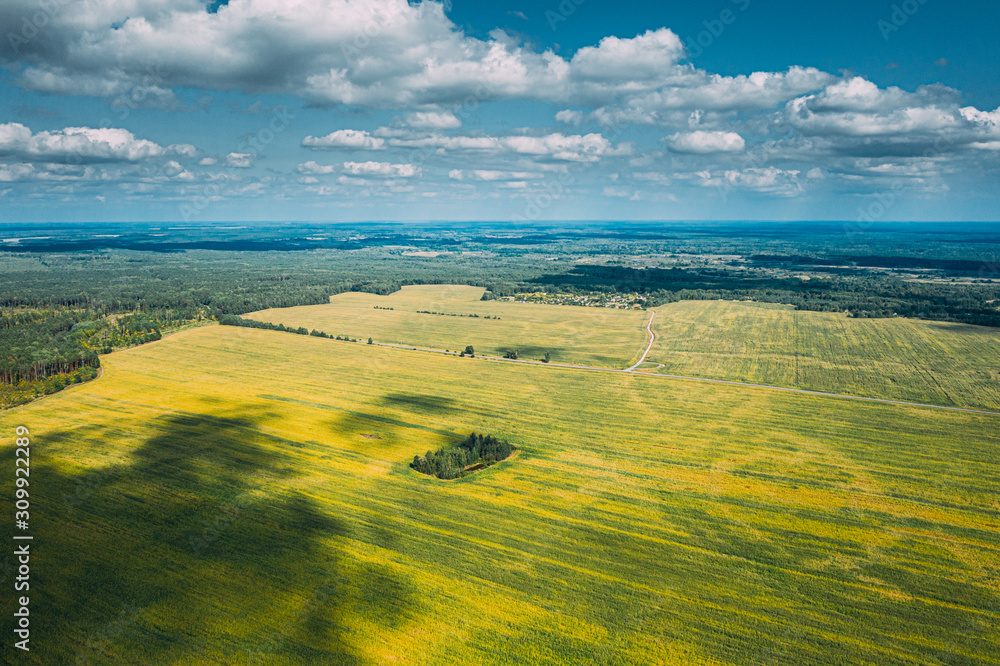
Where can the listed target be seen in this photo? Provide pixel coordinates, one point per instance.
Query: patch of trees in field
(475, 453)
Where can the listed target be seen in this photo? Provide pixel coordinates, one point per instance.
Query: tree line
(233, 320)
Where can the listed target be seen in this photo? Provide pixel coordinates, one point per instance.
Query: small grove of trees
(469, 351)
(476, 452)
(511, 354)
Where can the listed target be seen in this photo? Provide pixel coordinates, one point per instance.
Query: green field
(229, 495)
(585, 336)
(900, 359)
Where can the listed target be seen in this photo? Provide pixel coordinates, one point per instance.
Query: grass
(586, 336)
(900, 359)
(230, 495)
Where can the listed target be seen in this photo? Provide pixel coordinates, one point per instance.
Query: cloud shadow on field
(194, 549)
(419, 402)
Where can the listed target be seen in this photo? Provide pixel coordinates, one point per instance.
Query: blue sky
(580, 109)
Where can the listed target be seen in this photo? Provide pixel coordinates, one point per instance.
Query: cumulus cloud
(858, 107)
(856, 117)
(555, 146)
(685, 89)
(769, 180)
(312, 167)
(14, 172)
(492, 175)
(379, 53)
(433, 120)
(82, 145)
(345, 139)
(701, 142)
(411, 58)
(381, 169)
(240, 160)
(570, 116)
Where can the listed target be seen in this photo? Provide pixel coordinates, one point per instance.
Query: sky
(260, 110)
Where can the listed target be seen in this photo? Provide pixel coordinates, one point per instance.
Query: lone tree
(470, 351)
(548, 357)
(370, 341)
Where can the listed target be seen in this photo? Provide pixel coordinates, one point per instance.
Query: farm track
(652, 339)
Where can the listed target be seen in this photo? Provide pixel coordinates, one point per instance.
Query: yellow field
(585, 336)
(900, 359)
(229, 495)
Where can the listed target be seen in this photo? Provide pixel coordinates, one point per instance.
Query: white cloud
(652, 177)
(345, 139)
(642, 59)
(570, 116)
(701, 142)
(858, 108)
(684, 90)
(433, 120)
(555, 146)
(240, 160)
(312, 167)
(377, 53)
(77, 145)
(208, 161)
(767, 180)
(489, 175)
(381, 169)
(14, 172)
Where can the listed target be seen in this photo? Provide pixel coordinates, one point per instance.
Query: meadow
(585, 336)
(901, 359)
(229, 495)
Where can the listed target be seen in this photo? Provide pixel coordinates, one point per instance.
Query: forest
(84, 291)
(475, 453)
(864, 295)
